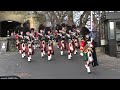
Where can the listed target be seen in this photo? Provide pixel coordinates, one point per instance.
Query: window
(111, 31)
(118, 37)
(118, 26)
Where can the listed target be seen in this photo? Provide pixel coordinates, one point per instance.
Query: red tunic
(16, 36)
(40, 44)
(56, 34)
(73, 43)
(26, 50)
(20, 47)
(35, 35)
(82, 45)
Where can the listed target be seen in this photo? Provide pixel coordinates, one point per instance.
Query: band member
(50, 49)
(20, 39)
(43, 47)
(82, 45)
(23, 48)
(41, 28)
(63, 27)
(58, 35)
(89, 57)
(62, 45)
(70, 49)
(36, 41)
(29, 50)
(32, 36)
(76, 45)
(47, 34)
(17, 41)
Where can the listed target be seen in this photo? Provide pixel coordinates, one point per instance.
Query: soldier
(29, 50)
(17, 41)
(47, 33)
(43, 47)
(32, 36)
(58, 35)
(36, 41)
(50, 49)
(76, 44)
(41, 27)
(56, 38)
(29, 46)
(62, 45)
(23, 48)
(88, 57)
(82, 45)
(70, 49)
(20, 38)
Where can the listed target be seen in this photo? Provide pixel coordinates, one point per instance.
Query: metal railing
(9, 77)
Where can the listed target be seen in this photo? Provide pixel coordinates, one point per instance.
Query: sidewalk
(108, 62)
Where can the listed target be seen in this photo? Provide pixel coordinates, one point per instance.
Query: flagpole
(91, 20)
(91, 24)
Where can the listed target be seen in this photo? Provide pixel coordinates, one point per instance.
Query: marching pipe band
(66, 40)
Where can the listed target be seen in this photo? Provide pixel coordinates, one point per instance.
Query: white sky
(77, 16)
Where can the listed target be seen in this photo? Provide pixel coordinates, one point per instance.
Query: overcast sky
(77, 16)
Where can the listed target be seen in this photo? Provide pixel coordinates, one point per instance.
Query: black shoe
(96, 65)
(93, 64)
(89, 72)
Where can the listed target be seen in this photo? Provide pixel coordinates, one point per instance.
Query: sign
(103, 42)
(3, 46)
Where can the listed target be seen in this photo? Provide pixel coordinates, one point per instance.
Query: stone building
(11, 19)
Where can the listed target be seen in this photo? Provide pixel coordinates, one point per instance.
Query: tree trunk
(81, 17)
(70, 18)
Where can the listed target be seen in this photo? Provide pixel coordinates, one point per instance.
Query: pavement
(59, 67)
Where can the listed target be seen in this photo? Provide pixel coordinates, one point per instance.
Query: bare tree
(70, 18)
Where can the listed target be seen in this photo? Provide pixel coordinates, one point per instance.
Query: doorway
(8, 26)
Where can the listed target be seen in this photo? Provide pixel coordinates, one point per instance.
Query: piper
(50, 50)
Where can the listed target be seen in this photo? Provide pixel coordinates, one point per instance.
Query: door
(112, 39)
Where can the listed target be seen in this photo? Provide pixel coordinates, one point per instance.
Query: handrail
(9, 77)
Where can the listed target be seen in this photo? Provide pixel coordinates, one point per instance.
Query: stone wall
(13, 15)
(35, 21)
(21, 17)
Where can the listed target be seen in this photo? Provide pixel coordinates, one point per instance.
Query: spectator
(93, 36)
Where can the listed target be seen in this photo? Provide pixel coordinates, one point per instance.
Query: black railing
(9, 77)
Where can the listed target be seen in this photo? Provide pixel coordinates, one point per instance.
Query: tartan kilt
(56, 39)
(20, 46)
(46, 39)
(26, 50)
(52, 52)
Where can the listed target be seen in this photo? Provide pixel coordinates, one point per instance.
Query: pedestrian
(93, 36)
